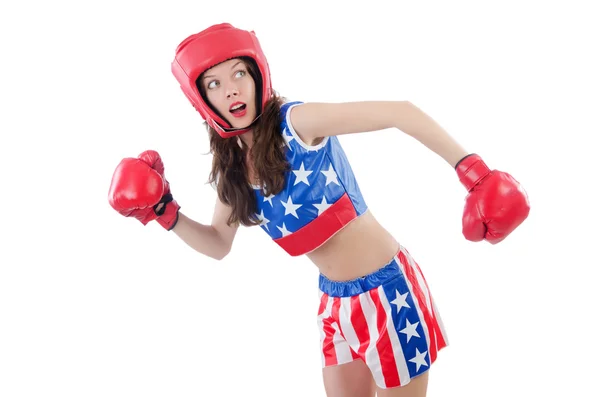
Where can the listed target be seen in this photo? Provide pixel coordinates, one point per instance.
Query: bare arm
(314, 120)
(214, 240)
(419, 125)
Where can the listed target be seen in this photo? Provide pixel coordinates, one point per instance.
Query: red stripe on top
(320, 229)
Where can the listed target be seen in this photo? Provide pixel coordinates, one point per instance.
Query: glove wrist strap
(168, 214)
(471, 170)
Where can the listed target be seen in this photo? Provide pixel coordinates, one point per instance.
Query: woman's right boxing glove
(139, 190)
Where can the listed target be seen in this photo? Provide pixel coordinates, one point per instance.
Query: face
(230, 89)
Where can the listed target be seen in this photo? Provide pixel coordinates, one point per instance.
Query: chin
(242, 122)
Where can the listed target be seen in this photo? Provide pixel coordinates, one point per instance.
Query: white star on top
(290, 208)
(331, 175)
(301, 175)
(284, 231)
(323, 206)
(262, 219)
(400, 301)
(288, 138)
(410, 330)
(269, 198)
(419, 359)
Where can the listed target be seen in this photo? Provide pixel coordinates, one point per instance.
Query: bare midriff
(361, 247)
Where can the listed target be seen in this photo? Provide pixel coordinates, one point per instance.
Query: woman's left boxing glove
(496, 204)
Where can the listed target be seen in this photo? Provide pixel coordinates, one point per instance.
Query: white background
(95, 304)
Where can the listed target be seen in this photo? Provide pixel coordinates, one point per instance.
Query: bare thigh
(417, 387)
(349, 380)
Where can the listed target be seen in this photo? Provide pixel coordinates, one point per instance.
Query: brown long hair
(229, 172)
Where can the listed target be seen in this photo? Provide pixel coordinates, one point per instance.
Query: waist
(360, 248)
(360, 285)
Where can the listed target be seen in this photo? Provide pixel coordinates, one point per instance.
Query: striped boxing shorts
(387, 318)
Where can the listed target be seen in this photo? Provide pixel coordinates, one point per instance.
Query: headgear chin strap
(201, 51)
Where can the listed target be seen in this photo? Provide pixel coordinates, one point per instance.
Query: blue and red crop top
(320, 196)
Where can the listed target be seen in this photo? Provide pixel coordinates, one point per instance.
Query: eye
(240, 73)
(212, 84)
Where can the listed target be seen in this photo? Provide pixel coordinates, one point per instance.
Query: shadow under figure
(279, 165)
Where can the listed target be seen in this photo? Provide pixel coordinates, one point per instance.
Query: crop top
(320, 196)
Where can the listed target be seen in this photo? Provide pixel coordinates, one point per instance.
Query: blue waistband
(361, 284)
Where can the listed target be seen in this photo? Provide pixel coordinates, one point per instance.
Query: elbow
(221, 246)
(220, 257)
(222, 254)
(216, 254)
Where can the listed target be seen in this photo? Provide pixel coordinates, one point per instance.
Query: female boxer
(279, 165)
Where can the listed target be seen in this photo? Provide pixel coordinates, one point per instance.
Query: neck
(247, 139)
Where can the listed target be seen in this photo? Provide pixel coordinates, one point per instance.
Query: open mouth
(237, 107)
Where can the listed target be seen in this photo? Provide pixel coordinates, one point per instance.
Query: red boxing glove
(496, 203)
(139, 190)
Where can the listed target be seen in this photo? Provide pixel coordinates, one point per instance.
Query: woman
(280, 165)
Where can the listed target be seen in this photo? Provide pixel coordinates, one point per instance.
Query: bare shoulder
(304, 119)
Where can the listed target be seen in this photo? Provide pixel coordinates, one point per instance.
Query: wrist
(463, 158)
(167, 211)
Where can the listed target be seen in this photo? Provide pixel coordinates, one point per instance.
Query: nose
(232, 91)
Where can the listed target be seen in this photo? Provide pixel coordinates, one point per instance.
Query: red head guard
(214, 45)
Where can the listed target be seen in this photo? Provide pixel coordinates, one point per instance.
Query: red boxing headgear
(201, 51)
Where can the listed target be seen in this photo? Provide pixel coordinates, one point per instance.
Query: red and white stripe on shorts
(393, 326)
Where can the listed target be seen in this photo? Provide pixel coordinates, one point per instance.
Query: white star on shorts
(400, 301)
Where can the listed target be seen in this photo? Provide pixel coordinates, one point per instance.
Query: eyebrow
(212, 75)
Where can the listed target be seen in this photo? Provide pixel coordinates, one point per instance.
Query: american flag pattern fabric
(388, 319)
(320, 197)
